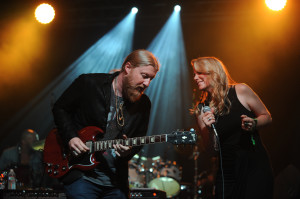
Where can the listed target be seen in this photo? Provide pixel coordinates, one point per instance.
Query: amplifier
(137, 193)
(147, 193)
(31, 194)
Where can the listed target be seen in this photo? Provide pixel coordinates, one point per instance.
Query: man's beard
(129, 92)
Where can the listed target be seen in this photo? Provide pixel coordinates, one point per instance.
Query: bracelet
(254, 128)
(255, 122)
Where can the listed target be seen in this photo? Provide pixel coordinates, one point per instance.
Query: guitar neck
(136, 141)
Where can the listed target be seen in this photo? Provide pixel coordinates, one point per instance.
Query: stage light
(276, 5)
(177, 8)
(44, 13)
(134, 10)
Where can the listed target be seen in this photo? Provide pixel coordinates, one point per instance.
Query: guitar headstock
(182, 137)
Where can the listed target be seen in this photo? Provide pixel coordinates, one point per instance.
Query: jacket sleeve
(64, 108)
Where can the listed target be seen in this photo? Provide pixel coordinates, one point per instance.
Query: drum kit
(165, 175)
(155, 173)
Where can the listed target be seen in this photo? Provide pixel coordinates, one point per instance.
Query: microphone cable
(217, 147)
(221, 163)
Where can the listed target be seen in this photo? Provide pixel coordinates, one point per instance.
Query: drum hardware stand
(196, 155)
(147, 177)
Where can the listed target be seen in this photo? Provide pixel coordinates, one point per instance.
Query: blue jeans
(83, 189)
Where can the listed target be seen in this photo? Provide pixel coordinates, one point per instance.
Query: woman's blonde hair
(220, 82)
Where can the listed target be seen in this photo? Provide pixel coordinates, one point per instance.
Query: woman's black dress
(246, 166)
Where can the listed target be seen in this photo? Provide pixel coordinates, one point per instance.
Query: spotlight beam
(170, 92)
(106, 54)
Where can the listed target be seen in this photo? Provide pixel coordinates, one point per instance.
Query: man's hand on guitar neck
(122, 151)
(77, 146)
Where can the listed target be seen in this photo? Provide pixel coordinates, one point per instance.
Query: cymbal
(143, 158)
(38, 145)
(156, 158)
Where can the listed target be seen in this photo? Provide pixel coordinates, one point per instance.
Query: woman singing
(236, 114)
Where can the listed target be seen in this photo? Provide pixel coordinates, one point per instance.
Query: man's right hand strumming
(77, 146)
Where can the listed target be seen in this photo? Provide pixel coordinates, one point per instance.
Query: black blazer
(86, 102)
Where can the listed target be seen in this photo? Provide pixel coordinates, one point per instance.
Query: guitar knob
(55, 173)
(49, 171)
(64, 168)
(49, 165)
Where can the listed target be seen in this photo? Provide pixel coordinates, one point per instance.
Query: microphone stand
(196, 155)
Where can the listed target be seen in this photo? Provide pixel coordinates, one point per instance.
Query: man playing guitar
(116, 104)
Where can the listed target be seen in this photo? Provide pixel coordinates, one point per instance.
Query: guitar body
(59, 160)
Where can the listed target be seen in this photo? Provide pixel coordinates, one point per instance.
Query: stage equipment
(31, 194)
(167, 178)
(136, 175)
(146, 193)
(155, 173)
(195, 157)
(134, 10)
(44, 13)
(177, 8)
(276, 5)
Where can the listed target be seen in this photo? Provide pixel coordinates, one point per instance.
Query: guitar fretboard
(136, 141)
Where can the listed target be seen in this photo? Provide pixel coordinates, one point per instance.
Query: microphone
(206, 109)
(216, 137)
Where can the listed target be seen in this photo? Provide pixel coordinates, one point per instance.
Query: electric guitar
(59, 161)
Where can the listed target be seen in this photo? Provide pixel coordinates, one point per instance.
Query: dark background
(260, 47)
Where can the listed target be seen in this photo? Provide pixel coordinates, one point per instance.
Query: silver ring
(209, 118)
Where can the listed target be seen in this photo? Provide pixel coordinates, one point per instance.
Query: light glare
(177, 8)
(134, 10)
(276, 5)
(44, 13)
